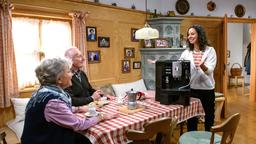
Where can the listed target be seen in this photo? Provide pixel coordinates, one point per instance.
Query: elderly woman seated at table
(50, 117)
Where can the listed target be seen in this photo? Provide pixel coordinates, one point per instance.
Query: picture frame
(129, 52)
(228, 53)
(136, 65)
(103, 42)
(133, 30)
(161, 43)
(148, 43)
(94, 56)
(91, 33)
(126, 66)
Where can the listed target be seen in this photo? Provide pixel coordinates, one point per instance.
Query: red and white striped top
(197, 55)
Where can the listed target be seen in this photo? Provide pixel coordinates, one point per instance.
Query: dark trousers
(80, 139)
(207, 98)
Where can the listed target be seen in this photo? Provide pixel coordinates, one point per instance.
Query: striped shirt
(197, 56)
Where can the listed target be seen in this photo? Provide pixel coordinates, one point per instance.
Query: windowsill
(28, 89)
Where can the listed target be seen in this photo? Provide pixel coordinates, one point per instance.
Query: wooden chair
(160, 128)
(227, 128)
(2, 138)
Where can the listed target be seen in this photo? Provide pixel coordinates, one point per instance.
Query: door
(225, 70)
(253, 55)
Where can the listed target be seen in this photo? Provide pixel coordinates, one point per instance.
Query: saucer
(91, 115)
(102, 102)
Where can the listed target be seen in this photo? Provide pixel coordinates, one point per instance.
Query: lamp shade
(146, 33)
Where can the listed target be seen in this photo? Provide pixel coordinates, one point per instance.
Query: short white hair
(70, 52)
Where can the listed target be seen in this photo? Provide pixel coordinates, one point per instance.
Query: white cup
(103, 98)
(92, 110)
(120, 100)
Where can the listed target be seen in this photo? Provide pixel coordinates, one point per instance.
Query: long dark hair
(202, 39)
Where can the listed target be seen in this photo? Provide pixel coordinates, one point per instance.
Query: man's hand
(96, 95)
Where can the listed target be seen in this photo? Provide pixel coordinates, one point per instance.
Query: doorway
(252, 95)
(238, 39)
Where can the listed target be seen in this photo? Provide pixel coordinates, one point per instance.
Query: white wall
(235, 44)
(198, 7)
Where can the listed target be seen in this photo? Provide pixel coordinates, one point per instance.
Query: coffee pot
(132, 97)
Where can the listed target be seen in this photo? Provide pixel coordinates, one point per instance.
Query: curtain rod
(28, 6)
(40, 11)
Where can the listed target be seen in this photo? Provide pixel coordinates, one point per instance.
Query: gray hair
(50, 70)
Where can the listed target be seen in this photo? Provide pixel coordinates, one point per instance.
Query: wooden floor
(237, 102)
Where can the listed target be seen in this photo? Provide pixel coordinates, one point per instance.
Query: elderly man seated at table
(81, 91)
(50, 117)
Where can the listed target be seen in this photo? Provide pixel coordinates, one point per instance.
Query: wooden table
(113, 131)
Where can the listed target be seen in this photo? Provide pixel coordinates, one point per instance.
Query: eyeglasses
(78, 56)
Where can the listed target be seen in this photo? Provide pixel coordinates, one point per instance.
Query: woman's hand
(203, 67)
(83, 108)
(107, 116)
(150, 61)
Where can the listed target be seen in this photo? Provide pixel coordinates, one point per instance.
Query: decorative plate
(182, 6)
(239, 10)
(211, 5)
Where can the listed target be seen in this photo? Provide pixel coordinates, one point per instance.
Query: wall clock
(182, 6)
(239, 10)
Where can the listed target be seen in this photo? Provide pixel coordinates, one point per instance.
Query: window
(35, 39)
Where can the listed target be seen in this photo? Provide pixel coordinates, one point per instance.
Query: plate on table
(91, 115)
(102, 102)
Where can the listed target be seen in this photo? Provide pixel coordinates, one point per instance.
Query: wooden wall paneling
(6, 115)
(125, 41)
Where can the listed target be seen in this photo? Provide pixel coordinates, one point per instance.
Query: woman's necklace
(197, 52)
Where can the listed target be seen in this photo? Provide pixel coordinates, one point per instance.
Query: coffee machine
(172, 82)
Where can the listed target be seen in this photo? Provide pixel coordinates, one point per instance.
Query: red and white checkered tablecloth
(113, 131)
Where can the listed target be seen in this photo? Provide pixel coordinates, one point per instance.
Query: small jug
(132, 99)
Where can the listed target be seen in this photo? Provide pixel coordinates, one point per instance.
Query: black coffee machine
(172, 82)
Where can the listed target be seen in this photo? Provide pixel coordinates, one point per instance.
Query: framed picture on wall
(148, 43)
(161, 43)
(103, 42)
(93, 56)
(91, 33)
(126, 66)
(129, 52)
(133, 30)
(136, 65)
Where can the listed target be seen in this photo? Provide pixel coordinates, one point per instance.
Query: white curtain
(26, 43)
(32, 36)
(56, 43)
